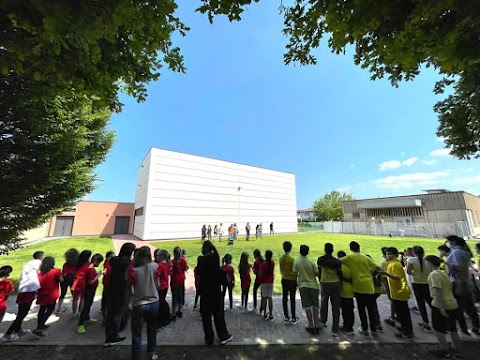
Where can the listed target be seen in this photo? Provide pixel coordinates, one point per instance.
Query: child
(184, 255)
(266, 273)
(177, 282)
(399, 292)
(197, 283)
(346, 298)
(68, 274)
(48, 293)
(289, 284)
(79, 283)
(445, 310)
(107, 274)
(244, 269)
(91, 284)
(230, 272)
(256, 264)
(164, 269)
(6, 287)
(27, 291)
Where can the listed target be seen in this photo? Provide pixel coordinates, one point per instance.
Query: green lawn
(55, 248)
(369, 245)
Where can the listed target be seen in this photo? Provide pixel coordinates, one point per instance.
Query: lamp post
(238, 191)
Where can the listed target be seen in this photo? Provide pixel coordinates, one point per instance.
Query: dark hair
(304, 249)
(156, 253)
(419, 252)
(143, 256)
(444, 248)
(164, 254)
(109, 253)
(354, 246)
(477, 246)
(435, 260)
(83, 258)
(37, 255)
(384, 250)
(227, 259)
(177, 250)
(47, 264)
(71, 256)
(208, 249)
(287, 246)
(268, 259)
(5, 270)
(329, 248)
(126, 250)
(243, 266)
(256, 253)
(460, 242)
(392, 250)
(341, 254)
(97, 258)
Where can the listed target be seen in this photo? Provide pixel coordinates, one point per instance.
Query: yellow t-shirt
(286, 267)
(347, 290)
(361, 267)
(438, 279)
(399, 289)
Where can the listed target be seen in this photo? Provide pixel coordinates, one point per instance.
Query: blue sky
(329, 124)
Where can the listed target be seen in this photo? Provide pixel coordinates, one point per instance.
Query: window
(139, 211)
(356, 215)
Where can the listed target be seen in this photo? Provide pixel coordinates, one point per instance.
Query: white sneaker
(11, 337)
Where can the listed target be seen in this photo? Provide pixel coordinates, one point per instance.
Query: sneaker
(265, 317)
(184, 306)
(294, 320)
(271, 318)
(425, 327)
(44, 327)
(153, 356)
(374, 334)
(362, 332)
(379, 328)
(414, 308)
(61, 310)
(466, 332)
(227, 340)
(179, 314)
(38, 332)
(476, 331)
(113, 342)
(22, 332)
(160, 329)
(335, 334)
(11, 337)
(195, 307)
(347, 332)
(286, 320)
(173, 317)
(456, 353)
(404, 336)
(322, 325)
(440, 353)
(81, 330)
(310, 330)
(390, 322)
(91, 321)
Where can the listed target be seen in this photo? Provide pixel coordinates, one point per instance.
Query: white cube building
(178, 193)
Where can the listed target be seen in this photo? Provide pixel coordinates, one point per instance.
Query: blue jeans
(147, 313)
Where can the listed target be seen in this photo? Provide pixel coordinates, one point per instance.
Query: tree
(47, 155)
(98, 47)
(329, 207)
(393, 39)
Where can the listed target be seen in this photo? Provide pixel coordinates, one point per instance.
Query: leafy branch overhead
(393, 39)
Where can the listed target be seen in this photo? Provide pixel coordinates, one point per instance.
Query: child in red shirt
(6, 287)
(105, 282)
(266, 272)
(48, 293)
(162, 257)
(68, 274)
(244, 268)
(91, 284)
(230, 272)
(258, 280)
(177, 282)
(79, 283)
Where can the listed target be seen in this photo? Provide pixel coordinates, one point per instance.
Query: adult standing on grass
(209, 233)
(247, 232)
(144, 281)
(27, 291)
(204, 232)
(362, 282)
(271, 229)
(458, 270)
(220, 232)
(117, 295)
(307, 273)
(212, 283)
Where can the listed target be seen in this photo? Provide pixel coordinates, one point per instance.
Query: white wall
(141, 193)
(187, 191)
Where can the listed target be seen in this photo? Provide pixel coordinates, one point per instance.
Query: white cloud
(343, 189)
(395, 164)
(430, 162)
(440, 152)
(406, 181)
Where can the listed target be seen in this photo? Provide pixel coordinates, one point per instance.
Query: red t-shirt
(6, 287)
(162, 273)
(266, 275)
(91, 273)
(106, 276)
(49, 287)
(178, 272)
(256, 265)
(245, 279)
(230, 272)
(79, 284)
(68, 269)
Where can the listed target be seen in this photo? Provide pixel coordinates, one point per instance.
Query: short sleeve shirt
(419, 276)
(178, 272)
(362, 277)
(49, 291)
(6, 287)
(438, 279)
(267, 272)
(306, 272)
(91, 274)
(347, 290)
(399, 289)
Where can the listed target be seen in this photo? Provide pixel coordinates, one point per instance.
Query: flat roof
(212, 158)
(404, 196)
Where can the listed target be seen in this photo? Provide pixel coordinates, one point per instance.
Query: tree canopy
(393, 39)
(329, 206)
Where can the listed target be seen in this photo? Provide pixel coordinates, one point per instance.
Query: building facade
(436, 206)
(178, 193)
(306, 215)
